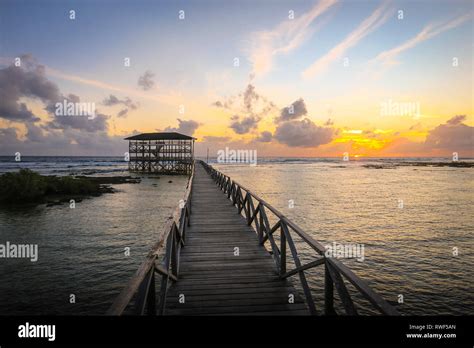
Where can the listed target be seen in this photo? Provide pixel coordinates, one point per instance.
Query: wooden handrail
(142, 284)
(334, 269)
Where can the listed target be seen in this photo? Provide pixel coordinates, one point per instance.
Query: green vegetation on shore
(27, 186)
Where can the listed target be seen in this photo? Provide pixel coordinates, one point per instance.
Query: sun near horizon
(310, 79)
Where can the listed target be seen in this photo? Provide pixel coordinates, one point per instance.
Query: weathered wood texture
(214, 261)
(223, 268)
(255, 210)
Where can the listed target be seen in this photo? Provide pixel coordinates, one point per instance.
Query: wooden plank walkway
(212, 279)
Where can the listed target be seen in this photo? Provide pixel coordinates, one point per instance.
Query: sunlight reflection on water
(408, 251)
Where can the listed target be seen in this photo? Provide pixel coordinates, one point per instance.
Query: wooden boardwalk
(214, 280)
(211, 261)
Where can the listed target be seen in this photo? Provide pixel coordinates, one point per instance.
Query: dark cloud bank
(59, 135)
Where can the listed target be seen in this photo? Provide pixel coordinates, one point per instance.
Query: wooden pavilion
(165, 153)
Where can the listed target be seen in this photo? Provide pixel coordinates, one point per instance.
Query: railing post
(303, 281)
(282, 252)
(248, 212)
(260, 218)
(174, 251)
(328, 292)
(238, 201)
(232, 191)
(145, 299)
(188, 211)
(151, 302)
(165, 278)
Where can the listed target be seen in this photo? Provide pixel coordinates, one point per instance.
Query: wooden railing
(142, 284)
(334, 270)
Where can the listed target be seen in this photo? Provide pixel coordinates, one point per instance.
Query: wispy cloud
(388, 58)
(284, 38)
(375, 20)
(170, 98)
(84, 81)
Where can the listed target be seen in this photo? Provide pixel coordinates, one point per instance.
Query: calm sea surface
(408, 251)
(82, 250)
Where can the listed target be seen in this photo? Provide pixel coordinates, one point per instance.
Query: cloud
(97, 124)
(186, 127)
(8, 136)
(113, 100)
(27, 81)
(284, 38)
(218, 104)
(250, 97)
(57, 135)
(215, 139)
(417, 126)
(388, 58)
(456, 120)
(329, 122)
(243, 125)
(70, 142)
(170, 98)
(88, 124)
(375, 20)
(446, 138)
(248, 101)
(265, 137)
(123, 113)
(224, 104)
(304, 133)
(250, 105)
(146, 80)
(44, 140)
(452, 136)
(296, 110)
(34, 133)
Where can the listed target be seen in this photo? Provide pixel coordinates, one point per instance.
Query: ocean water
(82, 250)
(56, 165)
(408, 250)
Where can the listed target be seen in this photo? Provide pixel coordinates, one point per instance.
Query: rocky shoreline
(28, 187)
(453, 164)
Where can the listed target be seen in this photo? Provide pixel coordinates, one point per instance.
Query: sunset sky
(288, 78)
